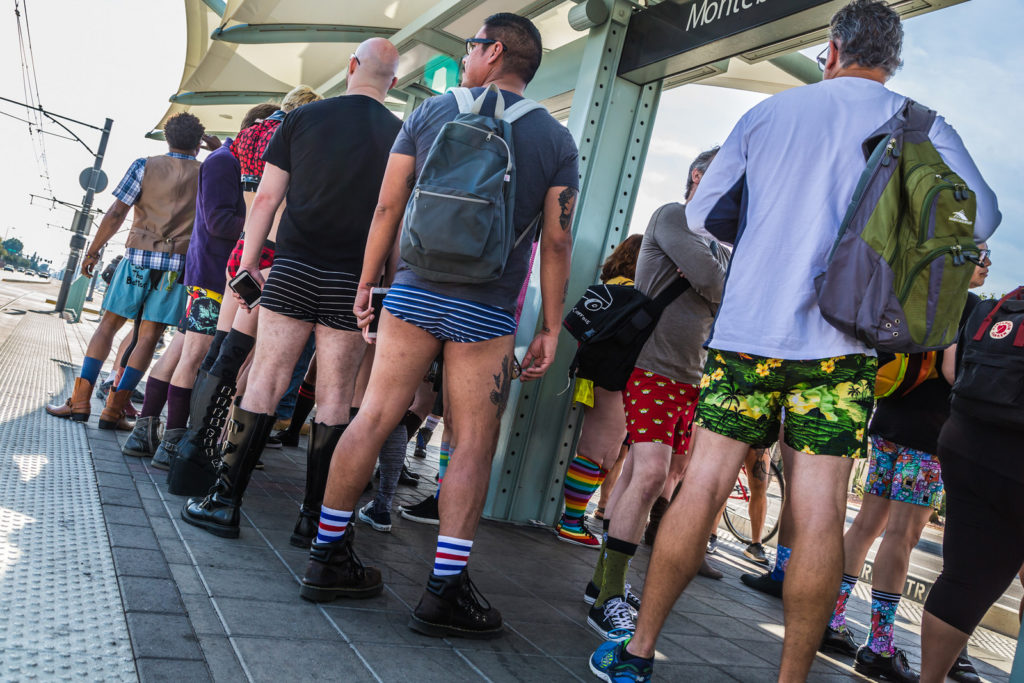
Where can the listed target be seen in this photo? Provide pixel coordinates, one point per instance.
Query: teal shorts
(154, 295)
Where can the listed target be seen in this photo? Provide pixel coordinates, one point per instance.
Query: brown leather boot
(77, 407)
(112, 416)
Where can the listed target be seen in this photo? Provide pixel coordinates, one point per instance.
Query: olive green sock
(617, 556)
(598, 579)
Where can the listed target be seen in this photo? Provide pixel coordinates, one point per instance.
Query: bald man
(328, 157)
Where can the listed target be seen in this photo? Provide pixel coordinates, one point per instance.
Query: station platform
(100, 578)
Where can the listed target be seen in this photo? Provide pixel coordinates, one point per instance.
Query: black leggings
(983, 544)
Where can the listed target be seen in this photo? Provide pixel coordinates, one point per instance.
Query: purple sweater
(220, 216)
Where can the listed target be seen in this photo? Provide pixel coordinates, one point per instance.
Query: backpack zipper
(491, 134)
(419, 191)
(957, 250)
(929, 200)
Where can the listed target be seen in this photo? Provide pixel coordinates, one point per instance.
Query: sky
(123, 58)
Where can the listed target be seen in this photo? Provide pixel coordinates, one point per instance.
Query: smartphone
(377, 295)
(245, 286)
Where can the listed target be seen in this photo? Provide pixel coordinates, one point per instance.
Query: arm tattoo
(567, 204)
(503, 385)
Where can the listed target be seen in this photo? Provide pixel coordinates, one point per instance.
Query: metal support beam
(226, 97)
(611, 120)
(252, 34)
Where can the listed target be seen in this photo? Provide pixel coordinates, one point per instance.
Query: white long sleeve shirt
(779, 188)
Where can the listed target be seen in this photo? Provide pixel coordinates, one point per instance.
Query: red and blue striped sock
(332, 524)
(452, 555)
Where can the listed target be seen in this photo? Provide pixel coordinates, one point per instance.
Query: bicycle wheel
(737, 512)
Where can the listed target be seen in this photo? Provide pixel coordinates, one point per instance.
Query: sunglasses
(473, 42)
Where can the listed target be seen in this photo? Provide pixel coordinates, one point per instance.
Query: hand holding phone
(377, 295)
(247, 288)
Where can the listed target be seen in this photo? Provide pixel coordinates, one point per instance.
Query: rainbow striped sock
(442, 465)
(583, 478)
(332, 524)
(452, 555)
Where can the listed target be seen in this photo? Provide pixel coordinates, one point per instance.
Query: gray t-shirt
(676, 348)
(546, 157)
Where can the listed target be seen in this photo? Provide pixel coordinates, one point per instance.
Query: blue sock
(130, 379)
(91, 369)
(452, 555)
(781, 560)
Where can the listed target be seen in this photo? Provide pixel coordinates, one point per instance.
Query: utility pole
(81, 226)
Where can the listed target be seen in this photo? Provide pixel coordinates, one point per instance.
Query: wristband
(95, 256)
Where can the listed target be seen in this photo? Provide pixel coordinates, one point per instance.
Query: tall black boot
(194, 469)
(319, 449)
(218, 512)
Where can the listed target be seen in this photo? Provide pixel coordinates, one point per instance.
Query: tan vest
(166, 207)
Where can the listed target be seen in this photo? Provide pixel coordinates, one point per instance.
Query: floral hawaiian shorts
(904, 474)
(827, 401)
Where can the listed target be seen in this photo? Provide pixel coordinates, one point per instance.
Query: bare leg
(818, 484)
(163, 369)
(341, 354)
(103, 338)
(906, 522)
(193, 351)
(941, 644)
(679, 548)
(867, 525)
(614, 470)
(278, 348)
(650, 463)
(757, 478)
(149, 335)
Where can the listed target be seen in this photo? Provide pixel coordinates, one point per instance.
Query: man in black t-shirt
(472, 326)
(328, 159)
(904, 484)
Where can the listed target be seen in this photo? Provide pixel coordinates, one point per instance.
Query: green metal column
(611, 120)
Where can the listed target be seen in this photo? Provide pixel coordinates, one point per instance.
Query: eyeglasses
(473, 42)
(822, 59)
(353, 56)
(984, 254)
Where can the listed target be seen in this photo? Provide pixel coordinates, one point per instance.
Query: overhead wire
(30, 87)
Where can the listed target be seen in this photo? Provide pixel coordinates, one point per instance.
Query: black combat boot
(218, 512)
(452, 606)
(334, 571)
(194, 468)
(319, 449)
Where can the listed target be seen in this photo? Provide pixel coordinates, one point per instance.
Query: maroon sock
(177, 407)
(156, 397)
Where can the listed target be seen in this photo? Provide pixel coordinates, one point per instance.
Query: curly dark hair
(183, 131)
(257, 113)
(869, 33)
(521, 41)
(622, 262)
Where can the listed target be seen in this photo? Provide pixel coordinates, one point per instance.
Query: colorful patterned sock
(332, 524)
(838, 622)
(883, 621)
(781, 562)
(442, 465)
(451, 556)
(177, 406)
(617, 556)
(583, 478)
(91, 369)
(130, 379)
(156, 397)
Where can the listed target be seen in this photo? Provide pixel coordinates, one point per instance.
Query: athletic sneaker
(610, 662)
(614, 620)
(755, 551)
(712, 544)
(592, 590)
(764, 583)
(424, 512)
(577, 534)
(380, 521)
(963, 670)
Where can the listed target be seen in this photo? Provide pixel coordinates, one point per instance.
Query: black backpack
(990, 384)
(612, 324)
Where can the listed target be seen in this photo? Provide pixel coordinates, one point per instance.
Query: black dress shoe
(963, 670)
(879, 667)
(764, 583)
(841, 642)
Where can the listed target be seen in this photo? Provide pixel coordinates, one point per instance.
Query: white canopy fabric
(260, 49)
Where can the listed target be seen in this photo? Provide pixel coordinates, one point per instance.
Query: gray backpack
(459, 220)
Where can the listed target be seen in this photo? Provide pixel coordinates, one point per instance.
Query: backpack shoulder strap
(520, 109)
(464, 98)
(918, 117)
(668, 295)
(499, 102)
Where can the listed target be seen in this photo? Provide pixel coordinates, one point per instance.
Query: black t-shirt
(336, 151)
(916, 419)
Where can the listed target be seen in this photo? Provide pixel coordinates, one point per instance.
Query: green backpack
(898, 273)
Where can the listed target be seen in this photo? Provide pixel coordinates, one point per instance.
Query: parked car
(9, 269)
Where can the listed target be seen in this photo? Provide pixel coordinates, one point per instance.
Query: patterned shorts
(827, 401)
(235, 259)
(659, 410)
(903, 474)
(203, 311)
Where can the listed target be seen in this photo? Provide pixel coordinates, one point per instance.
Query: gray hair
(869, 33)
(701, 164)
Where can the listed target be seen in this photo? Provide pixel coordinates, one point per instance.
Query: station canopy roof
(243, 52)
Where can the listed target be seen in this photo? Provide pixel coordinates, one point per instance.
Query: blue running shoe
(610, 662)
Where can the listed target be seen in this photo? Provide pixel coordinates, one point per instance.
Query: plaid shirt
(128, 191)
